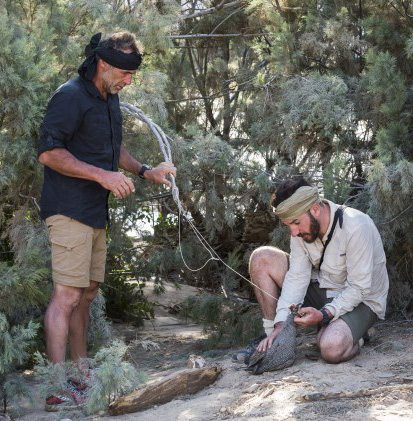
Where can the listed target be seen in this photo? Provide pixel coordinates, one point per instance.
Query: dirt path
(238, 395)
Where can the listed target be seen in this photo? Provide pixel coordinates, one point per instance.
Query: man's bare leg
(268, 266)
(79, 322)
(58, 313)
(336, 343)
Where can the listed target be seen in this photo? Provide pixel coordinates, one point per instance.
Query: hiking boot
(59, 402)
(82, 383)
(71, 398)
(244, 355)
(370, 335)
(77, 391)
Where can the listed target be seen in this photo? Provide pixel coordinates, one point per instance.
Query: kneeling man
(336, 268)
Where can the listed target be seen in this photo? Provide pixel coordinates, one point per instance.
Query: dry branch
(319, 396)
(212, 10)
(177, 36)
(183, 383)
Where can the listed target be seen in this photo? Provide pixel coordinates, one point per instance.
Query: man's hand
(268, 341)
(308, 316)
(159, 173)
(120, 185)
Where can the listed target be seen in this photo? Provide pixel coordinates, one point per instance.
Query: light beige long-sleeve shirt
(353, 270)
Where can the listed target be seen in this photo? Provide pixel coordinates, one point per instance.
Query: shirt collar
(91, 88)
(333, 208)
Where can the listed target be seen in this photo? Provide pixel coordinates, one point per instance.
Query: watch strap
(142, 170)
(326, 317)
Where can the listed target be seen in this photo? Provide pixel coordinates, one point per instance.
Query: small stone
(65, 419)
(252, 388)
(385, 375)
(195, 361)
(223, 409)
(292, 379)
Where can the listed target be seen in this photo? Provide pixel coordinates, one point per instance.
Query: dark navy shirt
(90, 128)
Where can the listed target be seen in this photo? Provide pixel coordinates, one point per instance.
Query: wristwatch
(326, 318)
(144, 168)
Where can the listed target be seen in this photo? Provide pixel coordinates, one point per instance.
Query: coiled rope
(164, 144)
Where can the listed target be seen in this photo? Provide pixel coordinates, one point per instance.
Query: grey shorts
(359, 320)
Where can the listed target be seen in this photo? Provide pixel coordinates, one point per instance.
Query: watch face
(143, 169)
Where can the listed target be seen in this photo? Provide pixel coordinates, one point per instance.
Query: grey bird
(283, 350)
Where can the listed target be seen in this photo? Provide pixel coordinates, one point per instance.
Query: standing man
(337, 268)
(81, 149)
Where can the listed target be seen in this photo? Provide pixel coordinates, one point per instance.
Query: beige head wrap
(297, 204)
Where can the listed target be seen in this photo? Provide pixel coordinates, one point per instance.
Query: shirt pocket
(341, 260)
(99, 130)
(71, 254)
(95, 143)
(99, 122)
(338, 273)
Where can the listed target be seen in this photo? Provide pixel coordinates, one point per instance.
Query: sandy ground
(385, 363)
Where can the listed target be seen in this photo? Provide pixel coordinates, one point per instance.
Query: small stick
(319, 396)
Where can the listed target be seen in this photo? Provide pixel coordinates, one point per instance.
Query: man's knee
(66, 297)
(266, 257)
(335, 348)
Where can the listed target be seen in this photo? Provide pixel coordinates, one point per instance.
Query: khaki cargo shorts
(78, 252)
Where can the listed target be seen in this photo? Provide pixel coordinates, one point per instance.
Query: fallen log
(183, 383)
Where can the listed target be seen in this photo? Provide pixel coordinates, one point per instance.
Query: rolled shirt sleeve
(61, 120)
(360, 268)
(296, 280)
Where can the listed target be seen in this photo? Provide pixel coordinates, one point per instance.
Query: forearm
(62, 161)
(128, 162)
(295, 283)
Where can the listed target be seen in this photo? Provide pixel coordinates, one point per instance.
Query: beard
(310, 237)
(109, 85)
(112, 88)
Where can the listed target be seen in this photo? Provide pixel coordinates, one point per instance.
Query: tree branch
(224, 20)
(177, 36)
(212, 10)
(318, 396)
(33, 199)
(200, 80)
(155, 197)
(394, 218)
(198, 98)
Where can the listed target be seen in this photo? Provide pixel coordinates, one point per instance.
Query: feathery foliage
(110, 376)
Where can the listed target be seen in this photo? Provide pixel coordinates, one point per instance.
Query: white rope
(165, 146)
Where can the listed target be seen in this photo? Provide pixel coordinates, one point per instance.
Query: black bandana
(116, 58)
